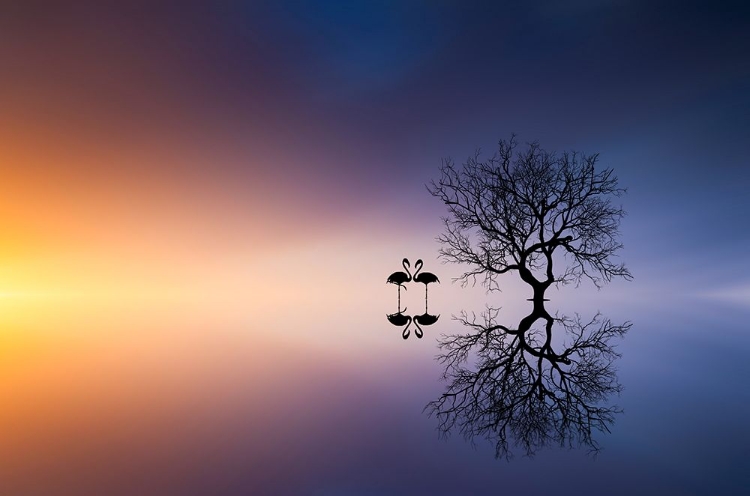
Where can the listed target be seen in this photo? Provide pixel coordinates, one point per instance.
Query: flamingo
(425, 319)
(425, 278)
(400, 320)
(399, 278)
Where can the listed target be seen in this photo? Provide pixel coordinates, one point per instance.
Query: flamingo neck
(418, 267)
(405, 265)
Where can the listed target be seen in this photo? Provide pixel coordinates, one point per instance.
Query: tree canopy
(513, 211)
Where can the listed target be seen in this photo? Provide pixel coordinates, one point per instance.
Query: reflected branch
(520, 391)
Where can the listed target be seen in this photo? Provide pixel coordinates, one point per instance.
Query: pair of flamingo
(400, 320)
(399, 278)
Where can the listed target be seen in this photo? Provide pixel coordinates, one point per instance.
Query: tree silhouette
(521, 392)
(526, 212)
(515, 210)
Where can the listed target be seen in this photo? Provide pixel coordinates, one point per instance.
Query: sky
(200, 202)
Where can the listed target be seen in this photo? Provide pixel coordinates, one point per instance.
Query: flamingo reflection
(424, 320)
(401, 320)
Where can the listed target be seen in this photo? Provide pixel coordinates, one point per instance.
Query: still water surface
(329, 401)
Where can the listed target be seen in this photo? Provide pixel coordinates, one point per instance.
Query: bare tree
(515, 210)
(513, 214)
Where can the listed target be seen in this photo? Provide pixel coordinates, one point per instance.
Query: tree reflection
(523, 393)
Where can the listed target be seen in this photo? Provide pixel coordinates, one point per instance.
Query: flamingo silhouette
(426, 320)
(399, 278)
(425, 278)
(400, 320)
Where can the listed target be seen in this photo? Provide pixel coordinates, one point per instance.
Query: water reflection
(399, 319)
(524, 390)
